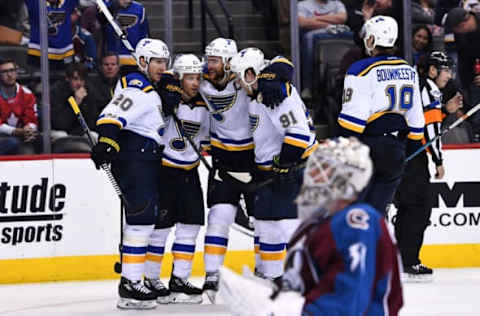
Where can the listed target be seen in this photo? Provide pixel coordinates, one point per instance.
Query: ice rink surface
(454, 292)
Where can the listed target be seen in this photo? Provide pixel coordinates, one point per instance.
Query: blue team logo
(254, 119)
(135, 82)
(221, 104)
(191, 128)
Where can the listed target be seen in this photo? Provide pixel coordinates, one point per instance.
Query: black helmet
(439, 60)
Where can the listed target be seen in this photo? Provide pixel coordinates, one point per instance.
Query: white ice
(454, 292)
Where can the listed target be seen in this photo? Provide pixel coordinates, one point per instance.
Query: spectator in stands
(422, 11)
(466, 26)
(453, 104)
(83, 42)
(107, 79)
(66, 130)
(18, 113)
(132, 18)
(422, 41)
(314, 17)
(60, 45)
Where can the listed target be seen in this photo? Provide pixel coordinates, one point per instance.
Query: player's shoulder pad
(281, 67)
(363, 66)
(136, 80)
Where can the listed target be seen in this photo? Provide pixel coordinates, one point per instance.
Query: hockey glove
(273, 85)
(285, 172)
(104, 151)
(170, 92)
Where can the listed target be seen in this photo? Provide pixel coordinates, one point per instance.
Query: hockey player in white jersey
(382, 107)
(284, 137)
(231, 150)
(129, 138)
(181, 197)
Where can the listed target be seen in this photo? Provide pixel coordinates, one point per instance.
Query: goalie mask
(149, 48)
(338, 170)
(248, 58)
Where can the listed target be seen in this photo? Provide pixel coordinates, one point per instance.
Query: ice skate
(134, 295)
(210, 287)
(182, 291)
(160, 290)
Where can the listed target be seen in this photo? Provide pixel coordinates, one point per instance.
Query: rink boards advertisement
(60, 220)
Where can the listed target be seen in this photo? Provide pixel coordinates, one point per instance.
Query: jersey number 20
(400, 99)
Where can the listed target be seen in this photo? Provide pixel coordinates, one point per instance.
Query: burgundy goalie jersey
(346, 265)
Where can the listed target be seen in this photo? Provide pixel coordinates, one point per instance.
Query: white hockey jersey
(287, 123)
(178, 152)
(229, 128)
(135, 107)
(382, 95)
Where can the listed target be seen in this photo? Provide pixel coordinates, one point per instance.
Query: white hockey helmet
(247, 58)
(149, 48)
(222, 47)
(340, 168)
(384, 30)
(187, 64)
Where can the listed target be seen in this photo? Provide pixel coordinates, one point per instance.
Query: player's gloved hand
(104, 152)
(285, 172)
(170, 92)
(274, 83)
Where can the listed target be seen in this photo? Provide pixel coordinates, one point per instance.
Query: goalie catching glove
(104, 151)
(170, 92)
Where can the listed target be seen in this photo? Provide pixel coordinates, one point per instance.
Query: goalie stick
(123, 202)
(445, 130)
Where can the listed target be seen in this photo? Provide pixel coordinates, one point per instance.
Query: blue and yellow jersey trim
(351, 123)
(231, 144)
(297, 140)
(205, 145)
(132, 254)
(52, 55)
(136, 80)
(127, 60)
(310, 149)
(155, 253)
(118, 121)
(415, 133)
(364, 66)
(179, 164)
(265, 165)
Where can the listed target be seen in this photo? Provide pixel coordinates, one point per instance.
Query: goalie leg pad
(183, 249)
(155, 252)
(220, 219)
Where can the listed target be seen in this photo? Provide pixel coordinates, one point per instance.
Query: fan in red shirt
(18, 113)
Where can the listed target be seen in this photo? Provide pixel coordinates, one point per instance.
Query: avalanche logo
(358, 218)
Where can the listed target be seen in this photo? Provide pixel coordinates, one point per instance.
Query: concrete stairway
(248, 25)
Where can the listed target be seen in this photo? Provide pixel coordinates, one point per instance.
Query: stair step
(157, 21)
(195, 35)
(181, 7)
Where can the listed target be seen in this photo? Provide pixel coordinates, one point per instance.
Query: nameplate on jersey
(190, 128)
(389, 74)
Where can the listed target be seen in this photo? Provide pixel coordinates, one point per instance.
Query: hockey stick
(108, 172)
(445, 130)
(121, 34)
